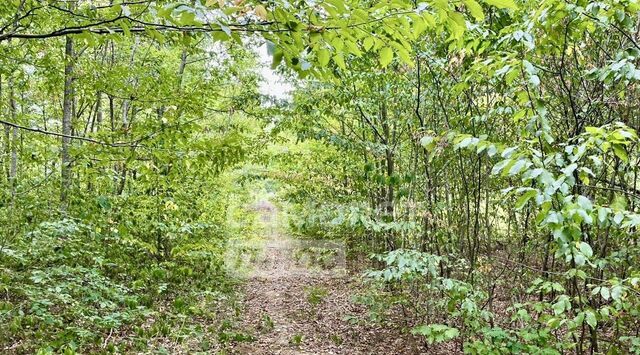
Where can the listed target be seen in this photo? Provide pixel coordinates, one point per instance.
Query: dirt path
(292, 307)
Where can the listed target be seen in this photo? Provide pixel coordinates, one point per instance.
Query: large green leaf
(502, 4)
(386, 56)
(475, 9)
(323, 57)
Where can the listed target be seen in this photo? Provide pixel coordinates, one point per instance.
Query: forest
(319, 177)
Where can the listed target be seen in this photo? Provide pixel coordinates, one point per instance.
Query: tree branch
(86, 139)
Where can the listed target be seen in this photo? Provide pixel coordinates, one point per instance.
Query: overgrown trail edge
(292, 309)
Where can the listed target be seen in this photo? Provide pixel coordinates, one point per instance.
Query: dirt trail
(296, 309)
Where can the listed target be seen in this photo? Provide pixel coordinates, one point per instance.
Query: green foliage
(316, 295)
(484, 152)
(296, 339)
(267, 323)
(72, 284)
(436, 333)
(136, 249)
(226, 335)
(495, 180)
(401, 265)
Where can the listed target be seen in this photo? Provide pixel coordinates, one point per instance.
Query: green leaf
(502, 4)
(492, 150)
(427, 142)
(457, 25)
(558, 307)
(386, 55)
(466, 141)
(323, 57)
(522, 200)
(518, 166)
(188, 18)
(367, 43)
(584, 203)
(338, 44)
(440, 4)
(475, 9)
(618, 218)
(419, 25)
(616, 292)
(451, 333)
(436, 333)
(277, 59)
(620, 152)
(405, 56)
(339, 60)
(353, 48)
(602, 214)
(534, 80)
(500, 166)
(590, 317)
(586, 250)
(260, 11)
(594, 130)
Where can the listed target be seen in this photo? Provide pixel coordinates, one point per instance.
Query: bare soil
(290, 308)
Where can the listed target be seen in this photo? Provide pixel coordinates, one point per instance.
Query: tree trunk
(67, 107)
(389, 162)
(98, 116)
(13, 169)
(5, 148)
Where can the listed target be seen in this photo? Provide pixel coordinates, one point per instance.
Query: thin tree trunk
(5, 148)
(67, 107)
(98, 116)
(127, 103)
(13, 169)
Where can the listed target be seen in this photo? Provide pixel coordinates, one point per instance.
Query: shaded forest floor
(292, 306)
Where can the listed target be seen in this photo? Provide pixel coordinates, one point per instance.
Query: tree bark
(67, 107)
(5, 149)
(13, 168)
